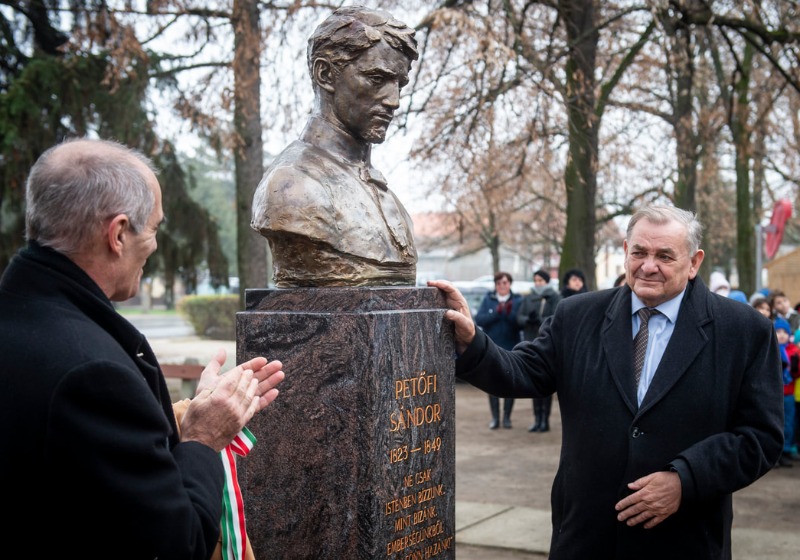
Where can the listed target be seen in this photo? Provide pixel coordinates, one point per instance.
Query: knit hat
(719, 284)
(573, 272)
(781, 323)
(543, 275)
(738, 295)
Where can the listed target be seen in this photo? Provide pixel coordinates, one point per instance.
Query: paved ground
(503, 480)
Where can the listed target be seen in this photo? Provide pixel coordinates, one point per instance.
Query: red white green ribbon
(233, 531)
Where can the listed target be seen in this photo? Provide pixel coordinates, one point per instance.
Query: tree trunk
(249, 150)
(581, 172)
(745, 243)
(685, 138)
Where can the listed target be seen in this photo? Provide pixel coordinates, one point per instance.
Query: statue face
(367, 92)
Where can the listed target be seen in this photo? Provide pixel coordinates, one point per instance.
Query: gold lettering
(430, 493)
(438, 547)
(422, 384)
(424, 514)
(396, 421)
(401, 503)
(405, 418)
(404, 542)
(402, 523)
(422, 476)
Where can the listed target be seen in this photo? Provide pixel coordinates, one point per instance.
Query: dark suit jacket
(713, 413)
(89, 452)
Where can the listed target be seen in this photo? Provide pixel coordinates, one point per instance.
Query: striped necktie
(640, 341)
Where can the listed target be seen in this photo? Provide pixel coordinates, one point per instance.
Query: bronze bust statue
(328, 215)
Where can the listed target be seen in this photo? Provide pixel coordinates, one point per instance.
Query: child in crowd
(761, 304)
(790, 356)
(782, 307)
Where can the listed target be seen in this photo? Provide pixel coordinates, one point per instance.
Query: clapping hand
(225, 403)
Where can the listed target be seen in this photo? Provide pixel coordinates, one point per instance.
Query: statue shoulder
(295, 174)
(292, 193)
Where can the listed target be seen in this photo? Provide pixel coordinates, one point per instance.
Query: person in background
(738, 295)
(782, 307)
(718, 284)
(535, 308)
(497, 316)
(791, 371)
(573, 282)
(92, 454)
(762, 293)
(649, 460)
(761, 304)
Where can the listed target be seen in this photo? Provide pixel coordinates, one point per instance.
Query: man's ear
(697, 260)
(116, 232)
(322, 72)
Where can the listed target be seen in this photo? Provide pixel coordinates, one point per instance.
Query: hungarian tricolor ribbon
(233, 530)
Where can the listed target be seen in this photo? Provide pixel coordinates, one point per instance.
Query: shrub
(211, 316)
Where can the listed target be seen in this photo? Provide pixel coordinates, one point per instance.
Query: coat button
(636, 432)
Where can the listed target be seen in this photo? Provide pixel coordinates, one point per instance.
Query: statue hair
(350, 30)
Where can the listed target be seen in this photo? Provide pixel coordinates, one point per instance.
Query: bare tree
(490, 60)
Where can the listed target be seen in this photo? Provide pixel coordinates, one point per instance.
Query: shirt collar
(669, 308)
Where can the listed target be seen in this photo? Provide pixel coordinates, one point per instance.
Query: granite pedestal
(356, 457)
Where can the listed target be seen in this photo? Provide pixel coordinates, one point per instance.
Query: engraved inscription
(415, 515)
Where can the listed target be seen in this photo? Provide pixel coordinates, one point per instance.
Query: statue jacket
(90, 456)
(712, 413)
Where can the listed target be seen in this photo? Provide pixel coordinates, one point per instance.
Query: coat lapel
(617, 345)
(688, 339)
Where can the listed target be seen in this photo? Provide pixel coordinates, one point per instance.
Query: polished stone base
(356, 457)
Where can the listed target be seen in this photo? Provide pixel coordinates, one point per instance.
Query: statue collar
(343, 147)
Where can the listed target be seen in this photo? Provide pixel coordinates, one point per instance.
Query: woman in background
(497, 317)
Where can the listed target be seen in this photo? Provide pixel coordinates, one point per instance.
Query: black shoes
(543, 426)
(784, 461)
(494, 424)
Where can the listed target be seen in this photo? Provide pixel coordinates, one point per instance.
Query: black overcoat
(89, 452)
(713, 413)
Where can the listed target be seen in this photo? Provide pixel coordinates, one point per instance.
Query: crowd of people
(775, 305)
(508, 318)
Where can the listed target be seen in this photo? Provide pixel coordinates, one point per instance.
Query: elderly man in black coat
(92, 459)
(649, 461)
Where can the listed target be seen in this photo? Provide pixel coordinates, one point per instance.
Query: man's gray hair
(662, 214)
(68, 196)
(350, 30)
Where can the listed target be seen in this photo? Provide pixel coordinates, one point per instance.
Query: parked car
(473, 292)
(522, 287)
(424, 275)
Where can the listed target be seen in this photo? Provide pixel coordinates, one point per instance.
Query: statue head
(359, 59)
